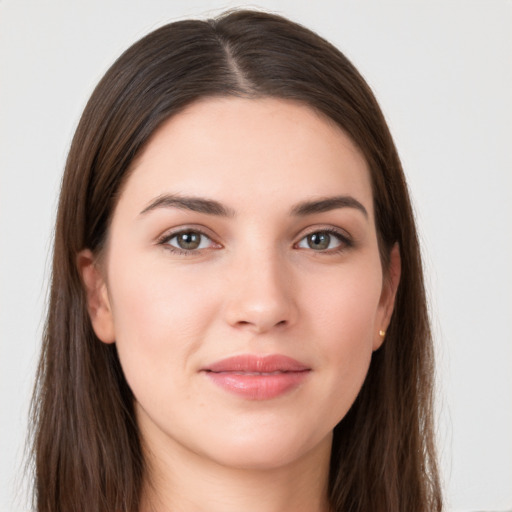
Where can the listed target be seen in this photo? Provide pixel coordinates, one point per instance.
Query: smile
(253, 373)
(257, 377)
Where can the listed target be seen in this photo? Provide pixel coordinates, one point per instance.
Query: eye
(188, 241)
(325, 240)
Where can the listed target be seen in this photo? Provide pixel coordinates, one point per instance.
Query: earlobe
(388, 295)
(98, 303)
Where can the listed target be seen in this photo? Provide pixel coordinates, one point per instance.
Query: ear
(387, 299)
(98, 303)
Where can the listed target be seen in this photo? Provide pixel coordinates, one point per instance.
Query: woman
(237, 317)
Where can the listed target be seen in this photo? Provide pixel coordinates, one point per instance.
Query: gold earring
(382, 333)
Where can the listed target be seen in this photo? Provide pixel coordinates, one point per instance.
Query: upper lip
(257, 364)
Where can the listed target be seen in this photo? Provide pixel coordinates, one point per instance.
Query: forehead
(235, 149)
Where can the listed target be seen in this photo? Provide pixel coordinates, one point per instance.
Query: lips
(257, 377)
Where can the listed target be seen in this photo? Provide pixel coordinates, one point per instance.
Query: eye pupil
(319, 241)
(189, 240)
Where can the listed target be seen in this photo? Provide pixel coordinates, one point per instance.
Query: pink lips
(257, 377)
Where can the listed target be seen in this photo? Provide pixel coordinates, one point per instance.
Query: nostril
(260, 326)
(260, 312)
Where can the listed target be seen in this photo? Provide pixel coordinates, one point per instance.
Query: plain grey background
(442, 71)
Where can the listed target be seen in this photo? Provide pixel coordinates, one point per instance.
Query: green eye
(319, 241)
(323, 241)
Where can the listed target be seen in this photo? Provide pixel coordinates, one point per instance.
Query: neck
(178, 479)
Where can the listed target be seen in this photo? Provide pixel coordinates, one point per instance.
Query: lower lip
(258, 387)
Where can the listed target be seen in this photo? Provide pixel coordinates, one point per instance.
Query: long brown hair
(86, 444)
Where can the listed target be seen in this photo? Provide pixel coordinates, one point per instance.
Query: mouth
(257, 377)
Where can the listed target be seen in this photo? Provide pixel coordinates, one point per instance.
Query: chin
(266, 451)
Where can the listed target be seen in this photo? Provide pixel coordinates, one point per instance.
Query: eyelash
(164, 241)
(344, 241)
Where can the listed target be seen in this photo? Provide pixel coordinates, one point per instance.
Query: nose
(261, 295)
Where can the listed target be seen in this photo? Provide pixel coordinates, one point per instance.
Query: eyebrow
(327, 204)
(212, 207)
(195, 204)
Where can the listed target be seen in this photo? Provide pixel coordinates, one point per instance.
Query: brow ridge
(327, 204)
(195, 204)
(212, 207)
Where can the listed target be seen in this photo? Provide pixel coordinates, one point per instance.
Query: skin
(254, 285)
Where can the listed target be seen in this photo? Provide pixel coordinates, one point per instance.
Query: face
(241, 282)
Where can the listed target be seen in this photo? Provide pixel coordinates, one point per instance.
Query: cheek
(153, 298)
(160, 318)
(346, 303)
(343, 319)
